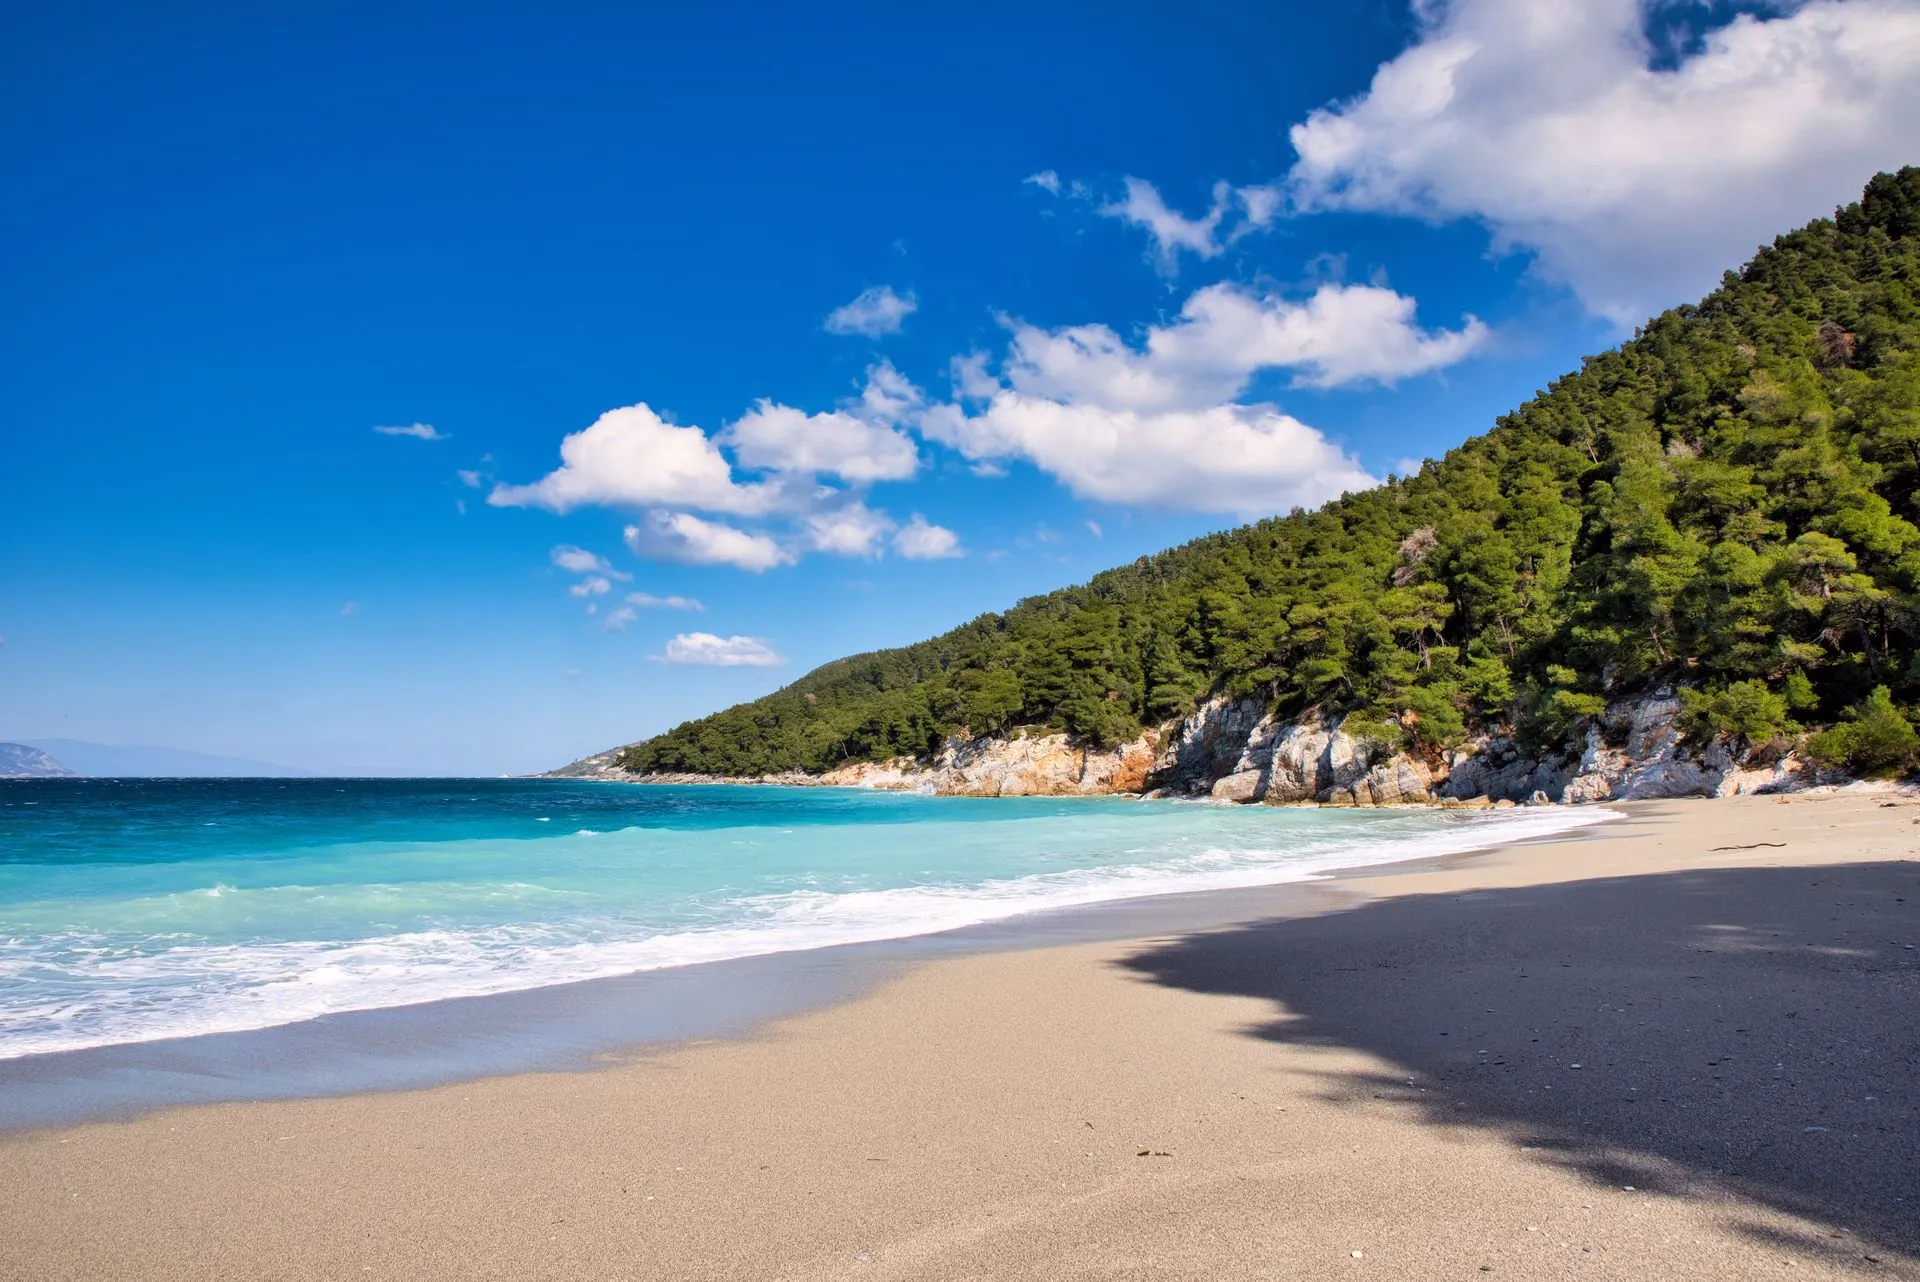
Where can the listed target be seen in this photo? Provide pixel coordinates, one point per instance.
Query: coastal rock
(1219, 738)
(1026, 766)
(1497, 768)
(1235, 749)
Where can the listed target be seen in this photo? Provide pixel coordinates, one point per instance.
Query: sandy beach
(1685, 1046)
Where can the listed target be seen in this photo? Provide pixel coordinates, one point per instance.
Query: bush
(1374, 732)
(1743, 710)
(1569, 706)
(1876, 739)
(1435, 721)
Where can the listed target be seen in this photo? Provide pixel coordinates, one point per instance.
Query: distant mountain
(21, 761)
(113, 761)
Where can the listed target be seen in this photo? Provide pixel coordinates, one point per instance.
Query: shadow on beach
(1755, 1027)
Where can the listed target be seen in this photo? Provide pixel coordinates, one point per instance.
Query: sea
(135, 910)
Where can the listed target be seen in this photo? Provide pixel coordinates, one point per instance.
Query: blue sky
(1128, 276)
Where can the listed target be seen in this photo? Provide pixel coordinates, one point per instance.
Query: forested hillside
(1728, 500)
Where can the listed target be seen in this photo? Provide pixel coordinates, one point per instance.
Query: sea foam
(117, 953)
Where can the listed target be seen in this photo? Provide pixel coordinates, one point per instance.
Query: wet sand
(1685, 1047)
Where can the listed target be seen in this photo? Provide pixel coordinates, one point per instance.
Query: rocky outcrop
(1026, 766)
(1234, 749)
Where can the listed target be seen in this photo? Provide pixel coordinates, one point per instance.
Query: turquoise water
(132, 910)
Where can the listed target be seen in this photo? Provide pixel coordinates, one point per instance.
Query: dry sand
(1455, 1071)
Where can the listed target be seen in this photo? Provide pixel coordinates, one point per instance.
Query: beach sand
(1684, 1047)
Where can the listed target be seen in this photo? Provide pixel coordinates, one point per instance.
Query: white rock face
(1236, 750)
(1030, 766)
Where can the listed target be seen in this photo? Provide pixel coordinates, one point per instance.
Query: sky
(421, 388)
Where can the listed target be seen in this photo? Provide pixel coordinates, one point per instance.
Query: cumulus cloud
(704, 649)
(1046, 180)
(632, 457)
(874, 312)
(619, 617)
(681, 536)
(853, 529)
(1158, 422)
(595, 586)
(469, 478)
(418, 431)
(836, 443)
(1635, 181)
(648, 601)
(1226, 458)
(1225, 334)
(772, 466)
(920, 540)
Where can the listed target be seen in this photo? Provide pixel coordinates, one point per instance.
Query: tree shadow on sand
(1758, 1026)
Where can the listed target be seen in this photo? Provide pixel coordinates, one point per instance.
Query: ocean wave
(70, 991)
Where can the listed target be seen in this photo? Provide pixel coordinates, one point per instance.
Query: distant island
(19, 761)
(116, 761)
(1691, 566)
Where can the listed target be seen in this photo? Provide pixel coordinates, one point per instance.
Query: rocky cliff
(1235, 750)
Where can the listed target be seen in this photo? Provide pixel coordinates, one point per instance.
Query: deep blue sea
(138, 909)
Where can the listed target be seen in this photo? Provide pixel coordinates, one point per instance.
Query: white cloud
(1171, 230)
(1226, 458)
(1159, 422)
(707, 650)
(619, 617)
(648, 601)
(681, 536)
(1260, 204)
(919, 540)
(419, 431)
(632, 457)
(469, 478)
(1225, 334)
(1093, 528)
(850, 530)
(595, 586)
(1341, 334)
(1046, 180)
(1636, 186)
(780, 438)
(874, 312)
(580, 561)
(970, 376)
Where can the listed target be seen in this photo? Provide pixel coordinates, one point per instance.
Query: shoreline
(1304, 1085)
(582, 1024)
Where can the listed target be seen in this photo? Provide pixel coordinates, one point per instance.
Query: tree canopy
(1727, 500)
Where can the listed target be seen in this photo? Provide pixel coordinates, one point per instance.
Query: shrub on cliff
(1745, 710)
(1875, 739)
